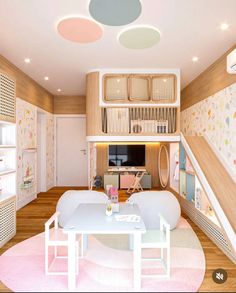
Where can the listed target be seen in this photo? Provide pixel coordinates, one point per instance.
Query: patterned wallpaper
(26, 119)
(215, 117)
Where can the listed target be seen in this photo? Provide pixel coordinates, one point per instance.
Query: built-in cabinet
(132, 103)
(191, 189)
(123, 180)
(7, 181)
(7, 159)
(139, 88)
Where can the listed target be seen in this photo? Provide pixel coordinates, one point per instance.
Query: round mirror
(163, 165)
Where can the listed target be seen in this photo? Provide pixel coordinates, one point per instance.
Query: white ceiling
(188, 28)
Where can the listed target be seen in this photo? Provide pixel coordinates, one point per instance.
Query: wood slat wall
(26, 88)
(69, 105)
(93, 112)
(151, 161)
(209, 82)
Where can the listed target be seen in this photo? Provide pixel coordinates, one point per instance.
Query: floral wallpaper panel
(26, 120)
(215, 117)
(27, 150)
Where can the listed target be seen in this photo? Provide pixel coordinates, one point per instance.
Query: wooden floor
(31, 219)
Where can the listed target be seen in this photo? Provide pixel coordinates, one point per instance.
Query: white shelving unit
(192, 190)
(7, 181)
(7, 158)
(202, 203)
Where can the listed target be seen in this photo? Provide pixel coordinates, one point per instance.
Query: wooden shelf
(189, 172)
(27, 186)
(30, 150)
(7, 172)
(5, 195)
(7, 146)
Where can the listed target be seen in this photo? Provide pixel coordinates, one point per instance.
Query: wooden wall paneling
(69, 104)
(102, 158)
(209, 82)
(152, 151)
(26, 88)
(93, 111)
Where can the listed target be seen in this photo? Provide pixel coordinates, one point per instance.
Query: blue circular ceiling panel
(115, 12)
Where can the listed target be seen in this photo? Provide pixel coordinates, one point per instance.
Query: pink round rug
(107, 266)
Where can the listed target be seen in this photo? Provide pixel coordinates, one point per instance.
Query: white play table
(91, 219)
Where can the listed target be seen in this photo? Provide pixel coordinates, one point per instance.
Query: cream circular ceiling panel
(79, 29)
(115, 12)
(141, 37)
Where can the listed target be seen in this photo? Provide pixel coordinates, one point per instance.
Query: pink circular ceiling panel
(80, 30)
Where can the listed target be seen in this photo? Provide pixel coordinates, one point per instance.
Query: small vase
(108, 212)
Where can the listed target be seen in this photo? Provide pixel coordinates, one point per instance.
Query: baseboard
(20, 204)
(49, 187)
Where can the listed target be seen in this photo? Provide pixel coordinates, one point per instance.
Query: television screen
(127, 155)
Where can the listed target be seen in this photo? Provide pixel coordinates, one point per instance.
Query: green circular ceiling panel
(141, 37)
(115, 12)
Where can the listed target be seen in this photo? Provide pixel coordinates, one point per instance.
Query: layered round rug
(107, 265)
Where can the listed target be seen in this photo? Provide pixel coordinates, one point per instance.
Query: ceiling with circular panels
(34, 32)
(80, 30)
(139, 37)
(115, 12)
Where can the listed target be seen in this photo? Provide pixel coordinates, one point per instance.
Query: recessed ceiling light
(46, 78)
(195, 59)
(27, 60)
(164, 80)
(59, 90)
(224, 26)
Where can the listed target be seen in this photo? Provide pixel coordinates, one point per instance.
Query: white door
(71, 147)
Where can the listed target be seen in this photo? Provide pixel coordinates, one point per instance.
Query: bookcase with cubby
(191, 190)
(7, 181)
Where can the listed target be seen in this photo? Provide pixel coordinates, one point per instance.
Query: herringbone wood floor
(31, 219)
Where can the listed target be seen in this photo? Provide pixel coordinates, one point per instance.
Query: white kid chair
(159, 239)
(55, 237)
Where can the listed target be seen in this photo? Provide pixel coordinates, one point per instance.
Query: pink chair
(136, 183)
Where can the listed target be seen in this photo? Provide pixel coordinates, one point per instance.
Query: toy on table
(113, 194)
(108, 186)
